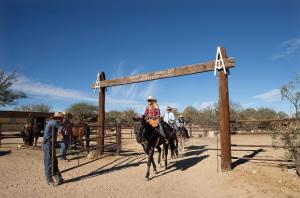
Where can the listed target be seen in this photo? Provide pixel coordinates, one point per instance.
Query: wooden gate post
(53, 156)
(0, 133)
(118, 138)
(225, 138)
(101, 116)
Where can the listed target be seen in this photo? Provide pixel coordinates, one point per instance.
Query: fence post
(0, 133)
(101, 117)
(53, 157)
(118, 138)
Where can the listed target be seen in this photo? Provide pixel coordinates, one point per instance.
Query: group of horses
(32, 131)
(150, 139)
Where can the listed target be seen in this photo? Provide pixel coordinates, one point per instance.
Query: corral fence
(259, 127)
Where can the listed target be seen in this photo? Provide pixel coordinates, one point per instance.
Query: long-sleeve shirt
(152, 112)
(169, 117)
(48, 129)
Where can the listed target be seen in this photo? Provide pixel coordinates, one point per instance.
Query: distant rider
(181, 123)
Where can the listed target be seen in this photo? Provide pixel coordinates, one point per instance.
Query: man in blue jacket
(54, 122)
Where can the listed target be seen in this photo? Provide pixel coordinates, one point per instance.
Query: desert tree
(8, 96)
(292, 94)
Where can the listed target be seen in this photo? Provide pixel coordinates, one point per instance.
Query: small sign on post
(219, 63)
(97, 83)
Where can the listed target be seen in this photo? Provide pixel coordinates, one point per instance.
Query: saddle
(153, 123)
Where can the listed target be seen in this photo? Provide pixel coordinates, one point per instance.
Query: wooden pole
(101, 116)
(53, 151)
(224, 118)
(0, 134)
(118, 138)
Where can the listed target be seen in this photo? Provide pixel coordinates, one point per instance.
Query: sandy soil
(193, 175)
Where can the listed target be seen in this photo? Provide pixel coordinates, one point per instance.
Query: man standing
(65, 135)
(55, 123)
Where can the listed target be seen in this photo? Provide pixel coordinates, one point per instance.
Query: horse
(78, 132)
(182, 136)
(150, 139)
(30, 133)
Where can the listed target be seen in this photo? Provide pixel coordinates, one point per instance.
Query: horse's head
(139, 128)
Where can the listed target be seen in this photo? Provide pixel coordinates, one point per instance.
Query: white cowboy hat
(58, 115)
(151, 98)
(168, 108)
(181, 116)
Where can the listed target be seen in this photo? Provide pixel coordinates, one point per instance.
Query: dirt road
(193, 175)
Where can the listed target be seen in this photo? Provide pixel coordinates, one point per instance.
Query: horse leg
(35, 140)
(150, 159)
(159, 156)
(176, 146)
(153, 164)
(166, 155)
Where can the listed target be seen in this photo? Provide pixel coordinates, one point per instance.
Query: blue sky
(58, 47)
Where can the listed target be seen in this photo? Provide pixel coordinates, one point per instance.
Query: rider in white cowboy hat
(169, 116)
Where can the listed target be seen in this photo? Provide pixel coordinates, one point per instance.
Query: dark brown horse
(150, 139)
(30, 133)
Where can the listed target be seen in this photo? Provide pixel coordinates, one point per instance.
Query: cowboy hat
(168, 108)
(181, 116)
(151, 98)
(58, 115)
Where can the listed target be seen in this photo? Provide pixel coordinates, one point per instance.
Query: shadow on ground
(181, 165)
(2, 153)
(133, 159)
(117, 164)
(243, 161)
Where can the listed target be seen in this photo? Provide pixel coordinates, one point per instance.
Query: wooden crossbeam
(178, 71)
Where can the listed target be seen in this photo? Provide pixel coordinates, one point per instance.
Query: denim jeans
(64, 147)
(47, 148)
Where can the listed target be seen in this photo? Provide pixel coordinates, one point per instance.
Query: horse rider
(65, 135)
(181, 123)
(169, 116)
(54, 122)
(152, 114)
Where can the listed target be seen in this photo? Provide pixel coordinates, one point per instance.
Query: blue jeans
(47, 148)
(64, 147)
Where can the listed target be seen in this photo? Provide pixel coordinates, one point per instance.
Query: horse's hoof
(146, 178)
(155, 172)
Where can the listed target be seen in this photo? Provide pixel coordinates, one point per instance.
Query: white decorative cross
(219, 64)
(97, 84)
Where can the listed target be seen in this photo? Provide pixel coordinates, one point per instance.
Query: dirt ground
(193, 175)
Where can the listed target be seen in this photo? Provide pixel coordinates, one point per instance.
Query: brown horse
(78, 132)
